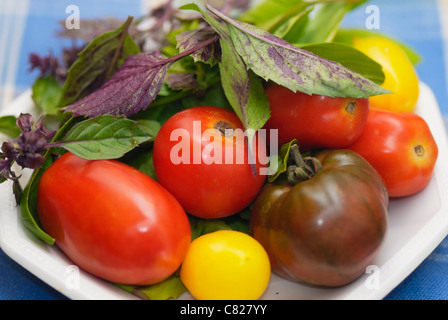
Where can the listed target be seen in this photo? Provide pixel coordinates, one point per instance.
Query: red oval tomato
(112, 220)
(316, 121)
(400, 146)
(201, 157)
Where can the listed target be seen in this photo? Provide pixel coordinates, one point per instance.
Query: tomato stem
(301, 168)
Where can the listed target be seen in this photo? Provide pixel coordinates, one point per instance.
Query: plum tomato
(400, 76)
(325, 227)
(201, 156)
(401, 147)
(112, 220)
(226, 265)
(315, 121)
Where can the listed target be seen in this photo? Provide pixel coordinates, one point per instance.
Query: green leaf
(272, 58)
(142, 160)
(350, 58)
(242, 87)
(8, 126)
(46, 93)
(325, 22)
(28, 203)
(170, 288)
(271, 15)
(293, 29)
(237, 222)
(279, 163)
(97, 62)
(28, 200)
(104, 137)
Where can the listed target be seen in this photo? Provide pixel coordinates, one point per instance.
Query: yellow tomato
(400, 75)
(226, 265)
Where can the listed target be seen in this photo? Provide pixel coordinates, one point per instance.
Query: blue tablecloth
(29, 26)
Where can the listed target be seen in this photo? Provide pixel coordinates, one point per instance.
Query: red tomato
(400, 146)
(201, 160)
(316, 121)
(112, 220)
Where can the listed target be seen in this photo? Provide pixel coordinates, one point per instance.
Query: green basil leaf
(242, 87)
(28, 203)
(8, 126)
(325, 22)
(272, 15)
(104, 137)
(279, 163)
(46, 93)
(350, 58)
(170, 288)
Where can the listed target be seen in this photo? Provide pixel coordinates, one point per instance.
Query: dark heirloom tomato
(112, 220)
(316, 121)
(325, 230)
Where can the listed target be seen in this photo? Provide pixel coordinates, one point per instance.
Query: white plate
(417, 225)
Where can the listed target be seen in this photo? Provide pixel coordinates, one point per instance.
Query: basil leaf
(279, 164)
(272, 15)
(274, 59)
(191, 38)
(8, 126)
(170, 288)
(104, 137)
(28, 203)
(97, 62)
(46, 93)
(325, 22)
(350, 58)
(242, 88)
(131, 89)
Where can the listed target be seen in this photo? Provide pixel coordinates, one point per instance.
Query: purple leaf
(209, 54)
(131, 89)
(181, 81)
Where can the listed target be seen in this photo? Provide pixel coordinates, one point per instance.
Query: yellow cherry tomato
(226, 265)
(400, 75)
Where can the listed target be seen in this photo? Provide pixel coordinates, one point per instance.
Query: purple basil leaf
(131, 89)
(181, 81)
(209, 54)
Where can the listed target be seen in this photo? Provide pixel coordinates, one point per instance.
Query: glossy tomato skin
(324, 231)
(206, 187)
(402, 149)
(112, 220)
(400, 76)
(226, 265)
(316, 121)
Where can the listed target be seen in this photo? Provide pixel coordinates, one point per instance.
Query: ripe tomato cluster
(399, 144)
(324, 221)
(321, 222)
(125, 227)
